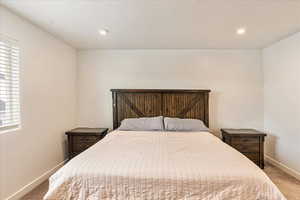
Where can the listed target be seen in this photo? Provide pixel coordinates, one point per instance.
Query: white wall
(281, 63)
(234, 76)
(48, 93)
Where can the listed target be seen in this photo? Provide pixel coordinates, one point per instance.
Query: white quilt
(129, 165)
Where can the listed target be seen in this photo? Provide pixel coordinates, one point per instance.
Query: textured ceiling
(179, 24)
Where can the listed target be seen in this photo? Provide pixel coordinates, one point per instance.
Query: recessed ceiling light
(241, 31)
(103, 32)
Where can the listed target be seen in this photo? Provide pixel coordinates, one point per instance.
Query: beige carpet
(288, 185)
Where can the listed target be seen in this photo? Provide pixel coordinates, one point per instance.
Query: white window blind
(9, 84)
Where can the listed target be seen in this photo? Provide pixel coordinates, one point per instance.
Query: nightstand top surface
(242, 132)
(85, 130)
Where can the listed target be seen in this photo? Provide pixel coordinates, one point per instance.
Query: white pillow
(142, 124)
(177, 124)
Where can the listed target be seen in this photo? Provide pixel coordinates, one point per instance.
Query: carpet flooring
(287, 184)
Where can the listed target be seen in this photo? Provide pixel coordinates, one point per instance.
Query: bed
(138, 165)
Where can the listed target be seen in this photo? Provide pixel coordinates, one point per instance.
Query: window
(9, 85)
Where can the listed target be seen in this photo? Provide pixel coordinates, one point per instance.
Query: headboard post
(129, 103)
(115, 113)
(206, 107)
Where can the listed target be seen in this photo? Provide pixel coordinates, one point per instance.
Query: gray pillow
(142, 124)
(177, 124)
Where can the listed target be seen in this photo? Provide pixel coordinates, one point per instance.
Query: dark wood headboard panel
(130, 103)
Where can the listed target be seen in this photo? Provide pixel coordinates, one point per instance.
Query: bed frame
(131, 103)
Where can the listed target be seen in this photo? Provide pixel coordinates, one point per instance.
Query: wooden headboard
(131, 103)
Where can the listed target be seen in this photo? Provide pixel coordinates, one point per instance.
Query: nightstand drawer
(243, 140)
(81, 143)
(246, 147)
(73, 154)
(253, 156)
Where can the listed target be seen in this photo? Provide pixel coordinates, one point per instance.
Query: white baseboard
(283, 167)
(30, 186)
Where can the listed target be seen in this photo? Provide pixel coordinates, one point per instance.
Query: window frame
(13, 127)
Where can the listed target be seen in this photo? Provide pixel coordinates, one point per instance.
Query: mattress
(161, 165)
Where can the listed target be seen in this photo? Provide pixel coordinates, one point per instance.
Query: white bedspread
(161, 165)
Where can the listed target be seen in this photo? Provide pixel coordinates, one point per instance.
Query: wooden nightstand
(249, 142)
(79, 139)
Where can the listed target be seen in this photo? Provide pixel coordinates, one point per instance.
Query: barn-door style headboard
(132, 103)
